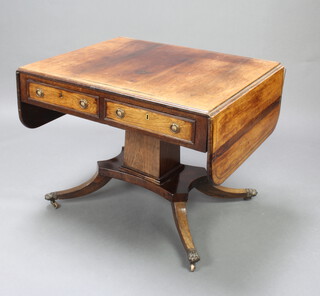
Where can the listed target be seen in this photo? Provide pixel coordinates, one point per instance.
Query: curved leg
(95, 183)
(220, 191)
(180, 217)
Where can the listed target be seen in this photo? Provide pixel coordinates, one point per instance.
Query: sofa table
(165, 97)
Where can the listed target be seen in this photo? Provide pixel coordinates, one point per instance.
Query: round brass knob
(83, 103)
(39, 93)
(175, 128)
(120, 113)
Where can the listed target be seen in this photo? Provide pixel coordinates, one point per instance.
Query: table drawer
(64, 98)
(156, 122)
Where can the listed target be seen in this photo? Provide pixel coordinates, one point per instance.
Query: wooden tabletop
(190, 79)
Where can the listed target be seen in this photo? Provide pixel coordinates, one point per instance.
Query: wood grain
(207, 187)
(188, 79)
(63, 98)
(174, 190)
(149, 120)
(181, 219)
(44, 112)
(219, 100)
(225, 164)
(223, 104)
(242, 125)
(239, 113)
(149, 155)
(93, 184)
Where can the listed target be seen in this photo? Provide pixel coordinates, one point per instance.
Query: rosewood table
(165, 97)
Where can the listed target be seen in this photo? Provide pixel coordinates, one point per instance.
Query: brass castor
(55, 204)
(52, 198)
(193, 258)
(250, 193)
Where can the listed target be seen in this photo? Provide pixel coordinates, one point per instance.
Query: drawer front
(152, 121)
(61, 97)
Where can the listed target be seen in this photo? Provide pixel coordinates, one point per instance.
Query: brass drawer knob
(39, 93)
(83, 103)
(175, 128)
(120, 113)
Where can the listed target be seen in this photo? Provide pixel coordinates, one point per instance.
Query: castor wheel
(52, 198)
(250, 193)
(55, 204)
(193, 258)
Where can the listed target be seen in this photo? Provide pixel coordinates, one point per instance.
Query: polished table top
(186, 78)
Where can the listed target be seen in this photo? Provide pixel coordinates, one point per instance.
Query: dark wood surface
(222, 104)
(181, 219)
(149, 120)
(206, 186)
(189, 79)
(63, 98)
(93, 184)
(174, 189)
(198, 122)
(176, 81)
(150, 156)
(225, 105)
(240, 127)
(33, 116)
